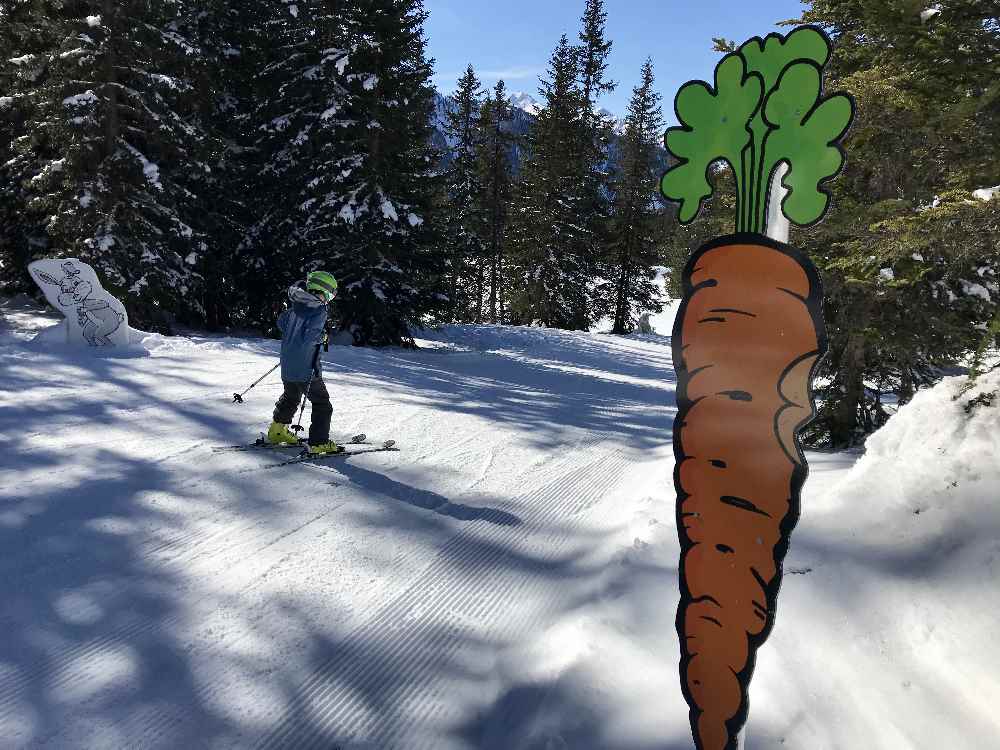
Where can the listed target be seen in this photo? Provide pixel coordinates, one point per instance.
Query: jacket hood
(301, 296)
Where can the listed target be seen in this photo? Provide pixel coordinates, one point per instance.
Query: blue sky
(513, 39)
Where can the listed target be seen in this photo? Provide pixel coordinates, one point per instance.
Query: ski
(261, 444)
(305, 457)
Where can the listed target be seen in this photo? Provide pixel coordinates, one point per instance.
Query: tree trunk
(907, 388)
(496, 218)
(480, 274)
(621, 299)
(494, 262)
(110, 83)
(843, 428)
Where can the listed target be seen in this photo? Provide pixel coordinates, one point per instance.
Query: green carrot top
(767, 108)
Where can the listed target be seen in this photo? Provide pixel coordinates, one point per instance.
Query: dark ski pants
(322, 409)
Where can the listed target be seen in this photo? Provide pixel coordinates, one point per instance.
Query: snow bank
(941, 452)
(887, 609)
(39, 328)
(54, 339)
(986, 194)
(900, 603)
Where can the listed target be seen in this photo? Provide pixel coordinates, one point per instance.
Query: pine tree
(637, 210)
(109, 144)
(223, 94)
(378, 198)
(551, 241)
(908, 256)
(594, 51)
(596, 139)
(496, 179)
(298, 160)
(463, 224)
(21, 235)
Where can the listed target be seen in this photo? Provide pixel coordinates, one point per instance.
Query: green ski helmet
(323, 283)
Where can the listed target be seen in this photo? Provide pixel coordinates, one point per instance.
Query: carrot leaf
(804, 131)
(713, 128)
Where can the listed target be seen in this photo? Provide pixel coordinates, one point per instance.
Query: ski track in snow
(138, 555)
(404, 656)
(506, 581)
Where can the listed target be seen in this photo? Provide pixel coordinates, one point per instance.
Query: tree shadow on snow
(552, 716)
(541, 383)
(374, 482)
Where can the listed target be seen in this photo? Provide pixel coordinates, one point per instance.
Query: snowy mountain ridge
(526, 103)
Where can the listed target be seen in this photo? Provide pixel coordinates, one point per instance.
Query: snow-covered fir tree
(223, 95)
(299, 54)
(108, 145)
(379, 195)
(463, 224)
(496, 142)
(635, 240)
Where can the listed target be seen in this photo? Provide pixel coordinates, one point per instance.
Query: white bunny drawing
(96, 317)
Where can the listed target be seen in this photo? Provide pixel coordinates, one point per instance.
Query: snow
(53, 166)
(887, 274)
(929, 13)
(506, 580)
(348, 214)
(80, 100)
(975, 290)
(149, 169)
(93, 21)
(525, 102)
(414, 220)
(986, 194)
(388, 210)
(175, 38)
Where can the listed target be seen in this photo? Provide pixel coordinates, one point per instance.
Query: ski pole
(238, 397)
(298, 427)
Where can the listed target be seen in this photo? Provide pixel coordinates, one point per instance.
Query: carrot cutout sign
(746, 343)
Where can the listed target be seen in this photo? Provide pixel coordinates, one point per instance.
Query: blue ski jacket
(302, 328)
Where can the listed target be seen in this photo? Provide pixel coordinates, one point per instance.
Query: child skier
(303, 329)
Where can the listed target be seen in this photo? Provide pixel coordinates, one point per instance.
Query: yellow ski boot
(279, 434)
(324, 449)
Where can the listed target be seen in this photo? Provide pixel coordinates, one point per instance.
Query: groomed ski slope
(506, 581)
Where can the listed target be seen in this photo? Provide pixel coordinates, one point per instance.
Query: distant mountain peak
(525, 102)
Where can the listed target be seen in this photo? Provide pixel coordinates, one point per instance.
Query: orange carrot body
(746, 342)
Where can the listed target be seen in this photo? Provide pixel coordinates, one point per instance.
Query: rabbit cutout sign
(93, 316)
